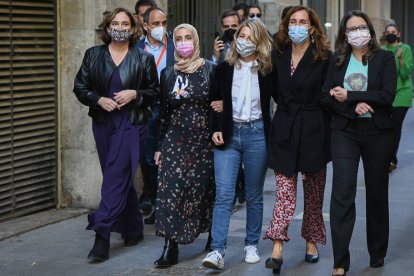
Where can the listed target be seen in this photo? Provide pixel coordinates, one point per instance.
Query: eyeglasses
(362, 28)
(252, 15)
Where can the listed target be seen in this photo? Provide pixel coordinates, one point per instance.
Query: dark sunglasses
(258, 15)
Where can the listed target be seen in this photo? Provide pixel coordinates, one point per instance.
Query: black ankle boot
(100, 249)
(169, 256)
(207, 248)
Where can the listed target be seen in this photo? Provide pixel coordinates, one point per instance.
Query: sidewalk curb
(17, 226)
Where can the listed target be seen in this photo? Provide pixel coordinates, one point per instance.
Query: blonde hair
(260, 37)
(191, 64)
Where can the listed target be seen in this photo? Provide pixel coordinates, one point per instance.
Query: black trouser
(398, 115)
(360, 139)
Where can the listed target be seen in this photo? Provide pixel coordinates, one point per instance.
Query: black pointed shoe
(377, 263)
(275, 264)
(133, 241)
(311, 258)
(100, 249)
(169, 256)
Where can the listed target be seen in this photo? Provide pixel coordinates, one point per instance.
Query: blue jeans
(247, 145)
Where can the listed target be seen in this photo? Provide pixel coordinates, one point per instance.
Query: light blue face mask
(298, 34)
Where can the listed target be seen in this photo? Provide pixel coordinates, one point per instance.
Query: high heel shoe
(275, 264)
(169, 256)
(377, 263)
(309, 258)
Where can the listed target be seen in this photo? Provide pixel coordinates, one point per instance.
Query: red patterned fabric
(313, 227)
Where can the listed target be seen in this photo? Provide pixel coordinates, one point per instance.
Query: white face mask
(358, 39)
(158, 33)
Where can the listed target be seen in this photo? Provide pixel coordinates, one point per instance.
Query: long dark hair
(344, 49)
(108, 17)
(322, 47)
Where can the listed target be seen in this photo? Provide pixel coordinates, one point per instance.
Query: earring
(312, 39)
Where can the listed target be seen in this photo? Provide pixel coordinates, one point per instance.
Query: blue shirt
(156, 52)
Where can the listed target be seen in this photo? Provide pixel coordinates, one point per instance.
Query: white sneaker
(252, 255)
(214, 260)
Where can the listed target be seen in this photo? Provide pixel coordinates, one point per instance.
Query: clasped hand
(339, 93)
(121, 98)
(363, 108)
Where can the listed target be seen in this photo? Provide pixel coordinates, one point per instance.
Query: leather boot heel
(100, 249)
(169, 256)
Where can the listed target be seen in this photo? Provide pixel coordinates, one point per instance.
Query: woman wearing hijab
(185, 154)
(118, 82)
(240, 137)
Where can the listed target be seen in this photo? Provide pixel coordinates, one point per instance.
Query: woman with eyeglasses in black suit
(359, 90)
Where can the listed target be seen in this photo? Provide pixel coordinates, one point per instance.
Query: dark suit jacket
(382, 85)
(170, 49)
(299, 138)
(223, 121)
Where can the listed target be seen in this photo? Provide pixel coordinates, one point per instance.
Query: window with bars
(27, 107)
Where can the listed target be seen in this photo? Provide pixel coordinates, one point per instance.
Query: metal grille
(319, 6)
(27, 107)
(350, 5)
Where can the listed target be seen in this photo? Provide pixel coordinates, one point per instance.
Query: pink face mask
(359, 39)
(185, 49)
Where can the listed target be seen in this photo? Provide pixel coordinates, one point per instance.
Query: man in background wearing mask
(230, 22)
(157, 43)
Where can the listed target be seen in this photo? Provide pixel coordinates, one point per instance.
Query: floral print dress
(185, 193)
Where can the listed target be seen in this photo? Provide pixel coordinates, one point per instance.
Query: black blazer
(299, 133)
(223, 121)
(137, 71)
(382, 85)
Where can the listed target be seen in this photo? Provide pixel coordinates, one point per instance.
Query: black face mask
(391, 38)
(228, 35)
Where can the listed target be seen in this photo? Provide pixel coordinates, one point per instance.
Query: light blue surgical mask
(298, 34)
